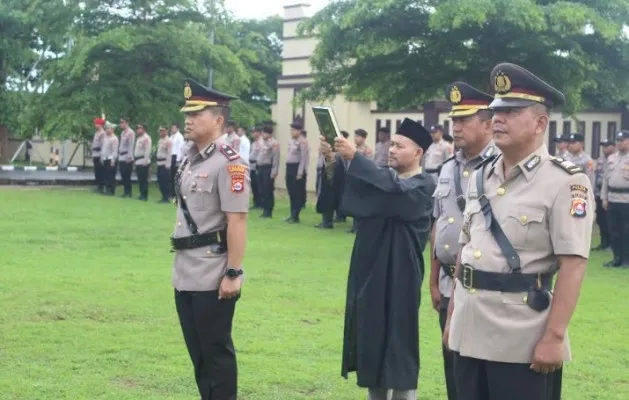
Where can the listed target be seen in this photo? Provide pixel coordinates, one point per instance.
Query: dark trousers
(173, 173)
(488, 380)
(601, 221)
(206, 323)
(448, 356)
(255, 187)
(163, 181)
(109, 175)
(143, 180)
(296, 189)
(618, 219)
(267, 187)
(327, 218)
(125, 176)
(99, 173)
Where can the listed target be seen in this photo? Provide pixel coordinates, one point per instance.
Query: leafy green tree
(403, 52)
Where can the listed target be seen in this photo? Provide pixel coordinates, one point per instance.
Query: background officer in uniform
(256, 143)
(608, 148)
(438, 152)
(125, 155)
(142, 160)
(381, 155)
(526, 215)
(615, 198)
(212, 192)
(471, 126)
(97, 145)
(296, 168)
(267, 167)
(561, 146)
(163, 156)
(109, 155)
(577, 155)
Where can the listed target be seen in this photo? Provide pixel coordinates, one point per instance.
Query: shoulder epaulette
(490, 159)
(566, 165)
(229, 152)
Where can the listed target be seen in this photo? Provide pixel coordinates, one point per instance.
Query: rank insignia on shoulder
(229, 152)
(566, 165)
(532, 163)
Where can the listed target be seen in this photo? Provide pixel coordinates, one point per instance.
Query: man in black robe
(392, 207)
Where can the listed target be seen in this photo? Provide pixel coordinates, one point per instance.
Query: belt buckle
(468, 277)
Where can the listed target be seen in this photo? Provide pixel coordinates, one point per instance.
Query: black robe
(381, 338)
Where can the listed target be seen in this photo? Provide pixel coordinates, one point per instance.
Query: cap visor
(463, 113)
(511, 103)
(188, 109)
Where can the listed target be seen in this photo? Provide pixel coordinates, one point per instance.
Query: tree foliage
(129, 58)
(403, 52)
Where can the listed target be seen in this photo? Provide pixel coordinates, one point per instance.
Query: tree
(403, 52)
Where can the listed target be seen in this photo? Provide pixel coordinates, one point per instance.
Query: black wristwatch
(233, 273)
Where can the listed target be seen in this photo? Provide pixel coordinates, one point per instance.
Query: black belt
(138, 158)
(448, 269)
(265, 165)
(617, 190)
(471, 278)
(96, 149)
(161, 159)
(123, 153)
(200, 240)
(252, 161)
(432, 171)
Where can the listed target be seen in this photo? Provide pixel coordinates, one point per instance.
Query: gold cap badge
(455, 95)
(187, 91)
(502, 83)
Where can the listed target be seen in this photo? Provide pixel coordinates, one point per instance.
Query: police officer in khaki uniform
(256, 144)
(163, 156)
(381, 155)
(438, 152)
(212, 191)
(297, 156)
(142, 160)
(577, 155)
(109, 155)
(125, 155)
(608, 147)
(527, 215)
(267, 167)
(471, 126)
(615, 199)
(561, 146)
(97, 145)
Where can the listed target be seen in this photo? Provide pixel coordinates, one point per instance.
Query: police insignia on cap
(502, 83)
(455, 95)
(187, 91)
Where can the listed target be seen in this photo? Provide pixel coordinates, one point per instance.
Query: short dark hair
(220, 112)
(232, 123)
(175, 124)
(384, 129)
(304, 133)
(361, 132)
(485, 115)
(345, 134)
(125, 118)
(268, 129)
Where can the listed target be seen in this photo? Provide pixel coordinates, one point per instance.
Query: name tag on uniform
(203, 175)
(472, 196)
(444, 180)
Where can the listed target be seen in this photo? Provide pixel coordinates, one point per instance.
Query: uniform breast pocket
(202, 196)
(524, 226)
(441, 193)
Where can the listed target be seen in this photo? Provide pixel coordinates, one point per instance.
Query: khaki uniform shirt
(164, 152)
(110, 148)
(584, 161)
(448, 215)
(256, 146)
(142, 150)
(127, 139)
(270, 154)
(545, 212)
(367, 152)
(599, 173)
(436, 154)
(297, 153)
(97, 143)
(563, 154)
(381, 157)
(616, 177)
(212, 184)
(231, 139)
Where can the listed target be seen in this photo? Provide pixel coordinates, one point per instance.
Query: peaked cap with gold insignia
(466, 100)
(516, 87)
(199, 97)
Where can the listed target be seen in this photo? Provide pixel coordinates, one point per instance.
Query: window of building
(378, 124)
(446, 127)
(552, 134)
(596, 139)
(611, 129)
(397, 124)
(582, 127)
(566, 127)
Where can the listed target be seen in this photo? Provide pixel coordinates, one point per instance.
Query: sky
(250, 9)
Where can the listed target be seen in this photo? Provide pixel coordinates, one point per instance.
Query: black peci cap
(416, 132)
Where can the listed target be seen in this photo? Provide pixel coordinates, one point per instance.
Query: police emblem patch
(237, 174)
(578, 208)
(187, 91)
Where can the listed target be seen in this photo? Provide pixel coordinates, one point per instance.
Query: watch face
(233, 273)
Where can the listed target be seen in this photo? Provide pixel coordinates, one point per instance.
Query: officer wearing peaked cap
(577, 155)
(381, 339)
(561, 145)
(212, 192)
(608, 147)
(471, 127)
(527, 216)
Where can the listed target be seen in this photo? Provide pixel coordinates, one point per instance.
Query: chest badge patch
(578, 208)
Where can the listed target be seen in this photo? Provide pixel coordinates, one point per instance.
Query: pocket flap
(527, 215)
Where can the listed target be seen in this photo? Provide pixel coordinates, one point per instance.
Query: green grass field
(87, 308)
